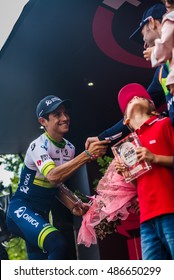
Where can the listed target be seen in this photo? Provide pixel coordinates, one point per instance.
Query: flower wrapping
(111, 203)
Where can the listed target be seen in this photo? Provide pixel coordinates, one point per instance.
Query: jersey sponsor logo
(152, 141)
(27, 179)
(45, 146)
(24, 188)
(65, 159)
(20, 213)
(66, 155)
(45, 157)
(70, 145)
(33, 146)
(55, 159)
(39, 162)
(170, 102)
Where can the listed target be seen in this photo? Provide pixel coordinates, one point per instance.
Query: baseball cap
(128, 92)
(156, 11)
(49, 104)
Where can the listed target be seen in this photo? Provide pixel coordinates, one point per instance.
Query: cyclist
(49, 161)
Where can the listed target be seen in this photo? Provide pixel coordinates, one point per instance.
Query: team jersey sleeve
(155, 89)
(38, 157)
(119, 127)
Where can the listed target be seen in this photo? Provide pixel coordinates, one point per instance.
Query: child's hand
(120, 167)
(144, 154)
(135, 207)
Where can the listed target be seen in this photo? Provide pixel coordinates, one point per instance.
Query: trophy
(125, 152)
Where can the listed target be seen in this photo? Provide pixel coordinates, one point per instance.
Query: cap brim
(67, 103)
(137, 36)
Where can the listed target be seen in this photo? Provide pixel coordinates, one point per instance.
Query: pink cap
(128, 92)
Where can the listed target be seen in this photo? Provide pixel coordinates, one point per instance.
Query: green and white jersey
(42, 155)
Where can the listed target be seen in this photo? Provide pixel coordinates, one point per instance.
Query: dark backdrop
(57, 47)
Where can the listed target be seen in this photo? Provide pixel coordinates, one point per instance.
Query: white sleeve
(39, 158)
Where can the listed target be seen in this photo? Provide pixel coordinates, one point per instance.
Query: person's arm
(145, 154)
(115, 129)
(166, 161)
(156, 90)
(61, 173)
(118, 128)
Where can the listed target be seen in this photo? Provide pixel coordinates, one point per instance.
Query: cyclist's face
(58, 122)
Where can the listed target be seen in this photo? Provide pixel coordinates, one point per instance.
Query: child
(155, 187)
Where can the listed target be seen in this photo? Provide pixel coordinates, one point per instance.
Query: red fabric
(156, 187)
(128, 92)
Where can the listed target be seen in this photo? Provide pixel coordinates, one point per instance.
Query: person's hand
(171, 89)
(90, 140)
(135, 207)
(120, 167)
(147, 53)
(144, 154)
(98, 148)
(80, 209)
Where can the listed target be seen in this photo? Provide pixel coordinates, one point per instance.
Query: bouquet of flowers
(105, 228)
(107, 208)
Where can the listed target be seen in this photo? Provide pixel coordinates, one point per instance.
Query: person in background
(163, 50)
(155, 187)
(157, 88)
(49, 161)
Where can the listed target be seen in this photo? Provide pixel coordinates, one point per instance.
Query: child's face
(135, 104)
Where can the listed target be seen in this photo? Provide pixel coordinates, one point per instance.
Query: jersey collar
(57, 144)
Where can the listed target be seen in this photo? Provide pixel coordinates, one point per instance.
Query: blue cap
(49, 104)
(156, 12)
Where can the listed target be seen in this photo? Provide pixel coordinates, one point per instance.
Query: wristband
(88, 154)
(92, 157)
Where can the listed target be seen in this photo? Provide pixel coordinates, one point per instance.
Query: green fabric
(163, 81)
(57, 144)
(44, 233)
